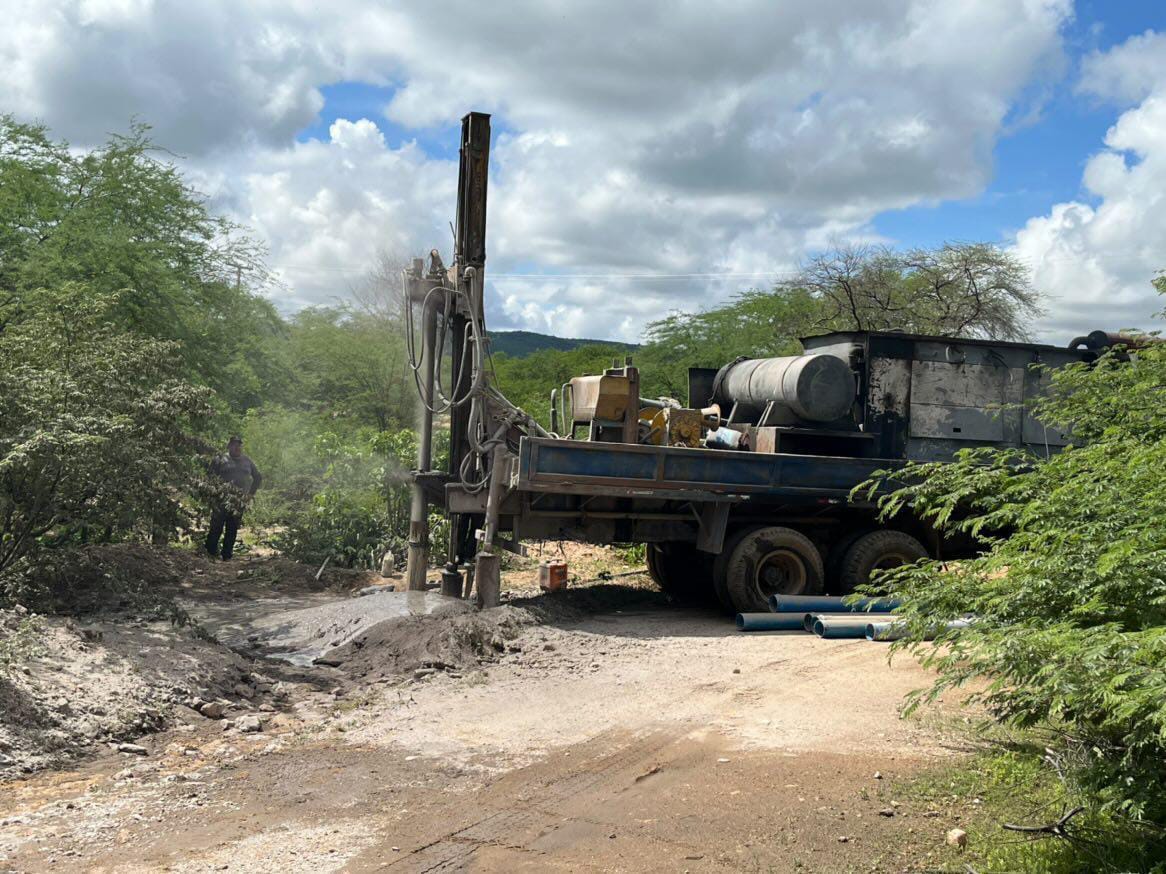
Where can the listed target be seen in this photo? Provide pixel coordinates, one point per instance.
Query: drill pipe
(832, 627)
(769, 622)
(827, 603)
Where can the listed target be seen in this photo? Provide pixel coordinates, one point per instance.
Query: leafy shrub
(78, 580)
(348, 526)
(1070, 631)
(20, 639)
(359, 503)
(95, 429)
(632, 553)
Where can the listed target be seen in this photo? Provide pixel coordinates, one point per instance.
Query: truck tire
(878, 550)
(721, 568)
(654, 559)
(681, 571)
(837, 554)
(772, 561)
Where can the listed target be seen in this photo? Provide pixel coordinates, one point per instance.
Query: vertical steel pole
(487, 569)
(451, 578)
(418, 561)
(469, 252)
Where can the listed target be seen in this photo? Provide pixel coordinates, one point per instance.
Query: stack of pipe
(829, 617)
(822, 614)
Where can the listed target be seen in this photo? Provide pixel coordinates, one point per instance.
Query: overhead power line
(551, 277)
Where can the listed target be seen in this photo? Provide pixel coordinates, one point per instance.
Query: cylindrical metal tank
(817, 388)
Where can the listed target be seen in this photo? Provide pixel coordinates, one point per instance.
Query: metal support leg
(488, 564)
(418, 563)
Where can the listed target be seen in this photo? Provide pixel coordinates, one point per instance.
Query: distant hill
(519, 344)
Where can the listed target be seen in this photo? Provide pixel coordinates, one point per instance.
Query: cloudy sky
(647, 157)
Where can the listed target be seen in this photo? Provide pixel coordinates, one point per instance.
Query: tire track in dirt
(529, 815)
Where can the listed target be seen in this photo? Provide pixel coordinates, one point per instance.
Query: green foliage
(632, 553)
(124, 224)
(1010, 782)
(1070, 596)
(352, 364)
(95, 427)
(349, 499)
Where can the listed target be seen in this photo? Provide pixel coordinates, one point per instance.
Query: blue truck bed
(627, 470)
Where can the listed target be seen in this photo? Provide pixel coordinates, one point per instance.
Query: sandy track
(685, 670)
(635, 740)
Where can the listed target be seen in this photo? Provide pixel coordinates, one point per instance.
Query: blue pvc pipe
(885, 630)
(808, 619)
(828, 604)
(833, 627)
(769, 621)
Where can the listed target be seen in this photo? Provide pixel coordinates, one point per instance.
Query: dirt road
(639, 737)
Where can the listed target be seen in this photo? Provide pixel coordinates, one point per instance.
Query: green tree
(95, 428)
(1069, 637)
(123, 223)
(353, 364)
(959, 289)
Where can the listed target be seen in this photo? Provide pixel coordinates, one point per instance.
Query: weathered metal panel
(890, 386)
(1033, 430)
(888, 399)
(957, 385)
(956, 423)
(712, 466)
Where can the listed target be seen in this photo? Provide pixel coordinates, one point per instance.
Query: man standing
(241, 475)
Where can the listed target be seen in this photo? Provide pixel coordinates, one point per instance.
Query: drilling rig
(484, 426)
(741, 492)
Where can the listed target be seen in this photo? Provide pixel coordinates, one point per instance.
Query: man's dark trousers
(224, 524)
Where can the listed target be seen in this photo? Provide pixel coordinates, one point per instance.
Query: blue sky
(353, 100)
(1040, 161)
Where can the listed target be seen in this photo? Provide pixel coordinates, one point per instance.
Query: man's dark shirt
(240, 472)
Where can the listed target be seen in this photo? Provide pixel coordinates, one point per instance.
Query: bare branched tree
(960, 289)
(378, 293)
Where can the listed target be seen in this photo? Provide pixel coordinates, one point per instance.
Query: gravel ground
(601, 730)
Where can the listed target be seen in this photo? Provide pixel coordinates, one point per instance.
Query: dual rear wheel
(760, 561)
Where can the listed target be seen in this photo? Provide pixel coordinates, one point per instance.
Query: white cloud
(654, 137)
(1097, 256)
(327, 207)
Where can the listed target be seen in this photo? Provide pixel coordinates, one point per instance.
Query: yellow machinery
(609, 406)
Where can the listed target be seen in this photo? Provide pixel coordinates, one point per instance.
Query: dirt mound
(308, 630)
(439, 641)
(457, 639)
